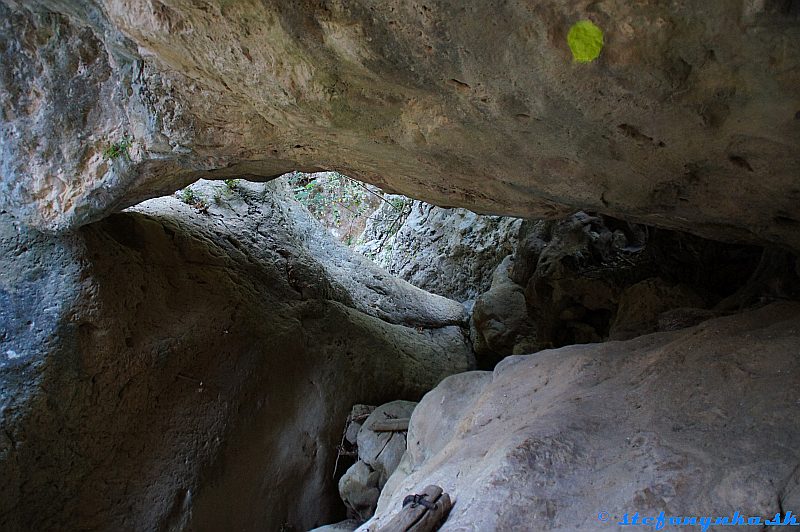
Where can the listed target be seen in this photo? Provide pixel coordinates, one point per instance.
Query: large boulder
(574, 271)
(588, 278)
(379, 452)
(382, 450)
(500, 322)
(698, 422)
(169, 368)
(687, 119)
(359, 490)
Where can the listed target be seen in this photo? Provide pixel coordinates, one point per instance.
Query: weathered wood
(391, 425)
(420, 518)
(433, 518)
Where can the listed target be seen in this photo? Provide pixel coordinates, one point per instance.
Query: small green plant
(341, 203)
(328, 195)
(399, 204)
(232, 184)
(119, 148)
(190, 197)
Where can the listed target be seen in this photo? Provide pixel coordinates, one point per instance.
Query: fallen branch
(391, 425)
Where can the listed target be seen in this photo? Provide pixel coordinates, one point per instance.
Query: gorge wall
(173, 365)
(450, 252)
(166, 368)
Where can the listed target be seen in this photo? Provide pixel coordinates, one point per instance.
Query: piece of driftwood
(422, 512)
(391, 425)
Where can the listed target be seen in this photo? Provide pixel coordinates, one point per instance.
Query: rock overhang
(686, 119)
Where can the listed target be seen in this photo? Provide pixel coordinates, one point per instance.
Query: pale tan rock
(359, 490)
(699, 421)
(687, 120)
(382, 450)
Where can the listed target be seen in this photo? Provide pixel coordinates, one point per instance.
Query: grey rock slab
(663, 422)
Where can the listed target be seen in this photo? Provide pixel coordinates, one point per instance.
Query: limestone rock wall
(166, 368)
(587, 278)
(450, 252)
(688, 119)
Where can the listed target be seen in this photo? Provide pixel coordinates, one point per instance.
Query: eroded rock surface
(166, 368)
(642, 305)
(500, 323)
(589, 278)
(688, 119)
(382, 450)
(694, 422)
(450, 252)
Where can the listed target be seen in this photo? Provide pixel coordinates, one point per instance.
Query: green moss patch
(585, 40)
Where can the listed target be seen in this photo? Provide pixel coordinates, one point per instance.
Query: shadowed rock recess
(613, 238)
(161, 350)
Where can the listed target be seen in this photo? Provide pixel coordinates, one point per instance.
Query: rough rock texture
(574, 270)
(165, 368)
(450, 252)
(378, 455)
(568, 274)
(699, 422)
(589, 278)
(642, 305)
(689, 118)
(358, 415)
(359, 490)
(382, 450)
(500, 322)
